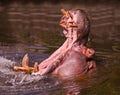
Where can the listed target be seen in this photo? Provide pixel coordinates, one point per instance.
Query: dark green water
(34, 29)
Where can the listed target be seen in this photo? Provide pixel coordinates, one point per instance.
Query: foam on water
(15, 83)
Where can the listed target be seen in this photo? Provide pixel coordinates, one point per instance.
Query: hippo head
(75, 19)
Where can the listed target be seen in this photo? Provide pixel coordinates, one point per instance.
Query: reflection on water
(33, 28)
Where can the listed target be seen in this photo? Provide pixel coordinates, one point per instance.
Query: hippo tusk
(25, 61)
(64, 12)
(67, 14)
(25, 66)
(26, 69)
(36, 67)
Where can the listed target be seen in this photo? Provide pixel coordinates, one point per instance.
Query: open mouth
(67, 20)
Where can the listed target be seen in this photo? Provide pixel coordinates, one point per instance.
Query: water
(33, 28)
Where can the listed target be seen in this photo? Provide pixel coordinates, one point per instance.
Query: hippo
(73, 57)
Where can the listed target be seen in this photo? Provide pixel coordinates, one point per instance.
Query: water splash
(20, 82)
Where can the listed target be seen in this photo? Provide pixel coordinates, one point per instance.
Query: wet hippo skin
(74, 62)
